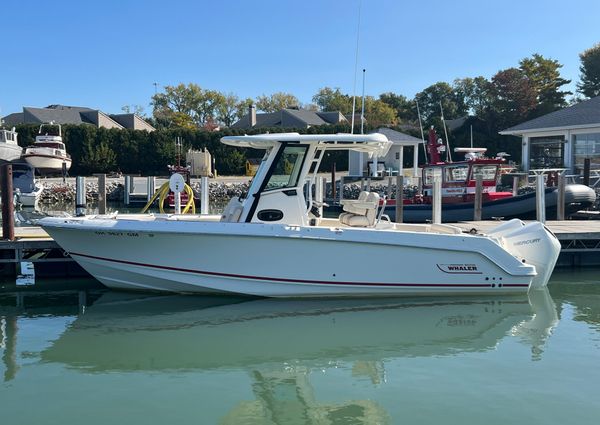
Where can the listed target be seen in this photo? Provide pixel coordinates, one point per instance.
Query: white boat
(28, 190)
(273, 242)
(9, 148)
(48, 154)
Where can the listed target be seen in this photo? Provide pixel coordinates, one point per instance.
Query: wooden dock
(580, 242)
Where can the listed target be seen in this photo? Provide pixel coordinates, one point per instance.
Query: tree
(379, 113)
(513, 97)
(473, 95)
(99, 159)
(406, 110)
(277, 101)
(544, 77)
(227, 110)
(242, 107)
(589, 85)
(199, 105)
(429, 102)
(331, 100)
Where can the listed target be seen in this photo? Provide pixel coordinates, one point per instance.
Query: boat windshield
(456, 174)
(286, 171)
(53, 145)
(487, 171)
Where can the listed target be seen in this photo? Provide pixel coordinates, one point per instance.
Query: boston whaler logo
(459, 268)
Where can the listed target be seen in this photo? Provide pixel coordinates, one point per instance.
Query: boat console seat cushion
(366, 212)
(350, 206)
(232, 211)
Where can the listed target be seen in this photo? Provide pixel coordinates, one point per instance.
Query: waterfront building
(561, 139)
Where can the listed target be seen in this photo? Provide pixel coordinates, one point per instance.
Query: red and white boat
(48, 154)
(459, 183)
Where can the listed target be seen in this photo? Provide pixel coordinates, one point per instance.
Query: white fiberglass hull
(47, 163)
(286, 261)
(9, 152)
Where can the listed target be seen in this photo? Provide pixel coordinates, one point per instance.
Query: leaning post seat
(232, 211)
(361, 213)
(349, 206)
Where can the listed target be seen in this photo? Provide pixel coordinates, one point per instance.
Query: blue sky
(108, 53)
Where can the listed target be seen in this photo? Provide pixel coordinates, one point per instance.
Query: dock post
(102, 194)
(560, 201)
(204, 200)
(80, 196)
(369, 184)
(150, 187)
(436, 202)
(8, 206)
(540, 198)
(515, 191)
(127, 190)
(478, 197)
(586, 171)
(388, 192)
(399, 198)
(342, 183)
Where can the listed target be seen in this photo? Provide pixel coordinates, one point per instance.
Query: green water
(118, 358)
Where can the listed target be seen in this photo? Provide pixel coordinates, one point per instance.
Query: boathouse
(561, 139)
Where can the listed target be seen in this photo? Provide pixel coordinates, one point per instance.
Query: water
(107, 357)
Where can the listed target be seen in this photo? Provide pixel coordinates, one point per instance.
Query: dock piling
(399, 198)
(478, 197)
(333, 193)
(319, 190)
(540, 198)
(436, 207)
(127, 189)
(204, 201)
(586, 171)
(515, 190)
(8, 206)
(80, 196)
(150, 187)
(560, 201)
(102, 194)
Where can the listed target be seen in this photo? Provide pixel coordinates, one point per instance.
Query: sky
(109, 53)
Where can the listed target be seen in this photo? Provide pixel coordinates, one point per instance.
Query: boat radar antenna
(422, 134)
(448, 154)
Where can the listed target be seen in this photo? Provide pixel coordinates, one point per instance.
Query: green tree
(406, 111)
(227, 110)
(330, 100)
(473, 95)
(378, 113)
(98, 159)
(429, 103)
(589, 84)
(242, 107)
(277, 101)
(544, 77)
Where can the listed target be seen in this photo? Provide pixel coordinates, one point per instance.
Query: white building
(403, 146)
(561, 139)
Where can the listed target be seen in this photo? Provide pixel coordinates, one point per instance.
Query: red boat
(458, 189)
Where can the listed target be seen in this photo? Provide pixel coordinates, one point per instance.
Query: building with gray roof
(561, 139)
(76, 115)
(288, 118)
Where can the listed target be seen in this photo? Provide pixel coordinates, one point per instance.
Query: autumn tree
(544, 77)
(276, 101)
(430, 99)
(589, 84)
(513, 97)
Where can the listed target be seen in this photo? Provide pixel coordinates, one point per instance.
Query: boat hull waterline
(287, 261)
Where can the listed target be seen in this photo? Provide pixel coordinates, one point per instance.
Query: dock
(580, 241)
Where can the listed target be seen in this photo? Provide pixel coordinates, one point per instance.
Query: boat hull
(47, 163)
(577, 197)
(10, 152)
(286, 261)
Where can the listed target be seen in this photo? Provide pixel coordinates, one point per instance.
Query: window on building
(586, 146)
(547, 152)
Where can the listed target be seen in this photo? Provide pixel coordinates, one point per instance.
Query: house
(288, 118)
(359, 164)
(76, 115)
(561, 139)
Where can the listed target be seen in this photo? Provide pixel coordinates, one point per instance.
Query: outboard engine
(533, 244)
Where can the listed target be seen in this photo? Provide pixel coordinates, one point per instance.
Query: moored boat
(274, 241)
(48, 154)
(9, 147)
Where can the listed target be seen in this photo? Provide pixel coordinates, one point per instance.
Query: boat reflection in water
(279, 343)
